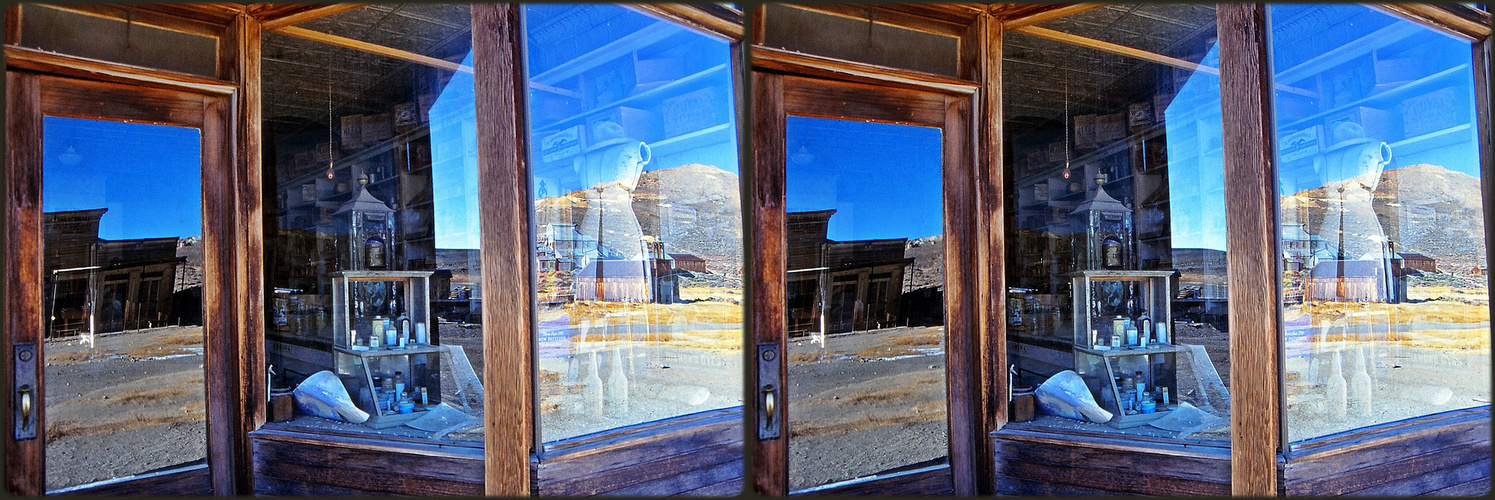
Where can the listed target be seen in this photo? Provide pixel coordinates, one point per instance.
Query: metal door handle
(25, 406)
(24, 414)
(768, 406)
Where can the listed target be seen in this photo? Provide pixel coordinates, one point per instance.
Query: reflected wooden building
(853, 285)
(96, 285)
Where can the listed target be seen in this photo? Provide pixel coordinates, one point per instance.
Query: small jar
(1148, 406)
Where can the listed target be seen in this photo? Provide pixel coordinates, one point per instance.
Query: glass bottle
(1360, 385)
(1335, 389)
(373, 251)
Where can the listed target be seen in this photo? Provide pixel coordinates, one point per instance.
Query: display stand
(382, 330)
(1101, 371)
(1105, 303)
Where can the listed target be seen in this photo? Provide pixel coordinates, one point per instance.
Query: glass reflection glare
(1385, 288)
(637, 216)
(865, 301)
(122, 227)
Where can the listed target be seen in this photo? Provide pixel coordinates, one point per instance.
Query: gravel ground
(131, 404)
(865, 403)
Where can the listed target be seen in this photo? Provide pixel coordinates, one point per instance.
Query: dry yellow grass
(68, 357)
(623, 313)
(1438, 311)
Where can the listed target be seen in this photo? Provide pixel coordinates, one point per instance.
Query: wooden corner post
(1251, 209)
(503, 181)
(982, 45)
(240, 63)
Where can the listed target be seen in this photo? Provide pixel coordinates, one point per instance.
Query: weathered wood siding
(1443, 455)
(287, 463)
(1030, 462)
(698, 455)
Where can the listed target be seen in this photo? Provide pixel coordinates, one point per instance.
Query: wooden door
(108, 395)
(852, 180)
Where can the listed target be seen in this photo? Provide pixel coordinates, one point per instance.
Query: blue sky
(882, 179)
(148, 176)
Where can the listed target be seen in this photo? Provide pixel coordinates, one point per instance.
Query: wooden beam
(275, 23)
(220, 297)
(1048, 15)
(757, 24)
(1125, 51)
(143, 15)
(1121, 50)
(362, 46)
(986, 35)
(875, 14)
(825, 67)
(1465, 22)
(241, 64)
(13, 24)
(506, 253)
(962, 344)
(765, 270)
(1484, 113)
(710, 18)
(1252, 263)
(23, 272)
(65, 65)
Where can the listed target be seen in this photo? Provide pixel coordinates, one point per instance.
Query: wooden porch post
(503, 181)
(1251, 206)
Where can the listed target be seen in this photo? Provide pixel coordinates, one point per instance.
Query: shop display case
(1122, 342)
(385, 346)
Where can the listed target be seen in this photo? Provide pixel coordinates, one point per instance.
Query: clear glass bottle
(1336, 404)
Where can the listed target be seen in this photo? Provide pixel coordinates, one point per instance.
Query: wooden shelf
(1382, 98)
(643, 37)
(688, 81)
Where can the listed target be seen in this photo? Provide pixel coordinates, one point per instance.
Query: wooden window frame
(626, 460)
(800, 87)
(1259, 445)
(30, 97)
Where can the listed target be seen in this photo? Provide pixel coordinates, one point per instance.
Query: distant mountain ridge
(1423, 208)
(695, 209)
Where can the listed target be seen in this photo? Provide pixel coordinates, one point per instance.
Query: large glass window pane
(372, 239)
(637, 216)
(1117, 295)
(1385, 294)
(866, 281)
(122, 299)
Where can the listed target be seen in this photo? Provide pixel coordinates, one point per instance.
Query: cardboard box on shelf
(1379, 124)
(1301, 144)
(637, 124)
(351, 130)
(1160, 102)
(1139, 116)
(1084, 131)
(1056, 151)
(406, 116)
(1398, 70)
(660, 70)
(562, 144)
(1432, 112)
(309, 192)
(1110, 127)
(692, 111)
(378, 127)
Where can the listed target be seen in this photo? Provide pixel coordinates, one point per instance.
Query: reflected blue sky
(454, 163)
(882, 179)
(148, 176)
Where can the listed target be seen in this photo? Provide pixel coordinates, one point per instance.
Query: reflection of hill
(1423, 208)
(693, 208)
(928, 269)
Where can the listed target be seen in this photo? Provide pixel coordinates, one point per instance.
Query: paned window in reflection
(865, 300)
(1385, 291)
(1117, 298)
(372, 241)
(122, 299)
(638, 219)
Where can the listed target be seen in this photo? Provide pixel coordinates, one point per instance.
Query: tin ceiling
(1036, 71)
